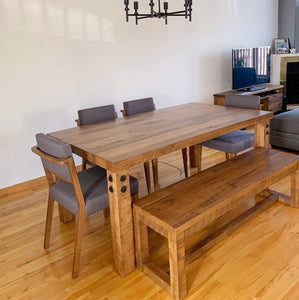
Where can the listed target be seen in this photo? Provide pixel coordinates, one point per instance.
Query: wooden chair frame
(52, 178)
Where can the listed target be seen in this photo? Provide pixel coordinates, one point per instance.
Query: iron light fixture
(160, 12)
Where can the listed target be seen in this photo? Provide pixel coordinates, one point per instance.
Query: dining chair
(236, 141)
(95, 115)
(134, 107)
(83, 193)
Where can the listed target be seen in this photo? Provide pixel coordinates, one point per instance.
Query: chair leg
(198, 157)
(178, 286)
(78, 243)
(147, 176)
(185, 161)
(134, 198)
(106, 215)
(48, 222)
(83, 164)
(155, 173)
(65, 215)
(192, 156)
(229, 156)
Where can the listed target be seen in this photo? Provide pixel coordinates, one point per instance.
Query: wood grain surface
(266, 268)
(186, 208)
(123, 143)
(182, 203)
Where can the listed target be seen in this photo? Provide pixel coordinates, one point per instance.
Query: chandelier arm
(187, 12)
(175, 13)
(127, 9)
(186, 8)
(152, 4)
(172, 13)
(165, 11)
(144, 17)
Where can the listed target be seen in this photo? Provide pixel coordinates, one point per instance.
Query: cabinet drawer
(275, 102)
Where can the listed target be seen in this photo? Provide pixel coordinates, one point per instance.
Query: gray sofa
(284, 131)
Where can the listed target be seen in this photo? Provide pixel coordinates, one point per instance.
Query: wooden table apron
(120, 144)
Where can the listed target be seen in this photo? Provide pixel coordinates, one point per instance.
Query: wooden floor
(259, 261)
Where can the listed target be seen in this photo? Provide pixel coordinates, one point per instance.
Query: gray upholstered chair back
(138, 106)
(97, 114)
(55, 148)
(243, 101)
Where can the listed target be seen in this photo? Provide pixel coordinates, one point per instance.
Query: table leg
(121, 220)
(262, 134)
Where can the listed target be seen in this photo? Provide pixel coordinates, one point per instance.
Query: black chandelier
(160, 12)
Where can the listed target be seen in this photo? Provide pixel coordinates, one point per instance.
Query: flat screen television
(251, 67)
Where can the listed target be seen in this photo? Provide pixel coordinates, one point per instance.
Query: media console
(271, 96)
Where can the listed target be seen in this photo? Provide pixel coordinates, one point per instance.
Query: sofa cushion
(284, 140)
(286, 122)
(284, 134)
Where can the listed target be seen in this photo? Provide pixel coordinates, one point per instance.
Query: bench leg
(294, 199)
(295, 190)
(176, 244)
(141, 241)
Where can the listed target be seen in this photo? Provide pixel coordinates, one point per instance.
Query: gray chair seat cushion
(93, 183)
(233, 142)
(286, 122)
(284, 139)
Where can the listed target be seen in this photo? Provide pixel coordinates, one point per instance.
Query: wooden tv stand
(271, 96)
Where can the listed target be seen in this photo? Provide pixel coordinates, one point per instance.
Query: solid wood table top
(122, 143)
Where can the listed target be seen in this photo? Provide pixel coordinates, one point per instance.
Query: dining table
(120, 144)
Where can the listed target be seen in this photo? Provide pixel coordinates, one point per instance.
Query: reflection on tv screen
(251, 66)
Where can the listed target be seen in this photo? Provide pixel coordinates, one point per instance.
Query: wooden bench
(184, 208)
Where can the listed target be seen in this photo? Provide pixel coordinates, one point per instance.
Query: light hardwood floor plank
(258, 261)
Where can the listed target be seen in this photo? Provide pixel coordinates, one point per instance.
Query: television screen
(251, 66)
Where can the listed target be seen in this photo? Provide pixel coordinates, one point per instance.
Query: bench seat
(186, 207)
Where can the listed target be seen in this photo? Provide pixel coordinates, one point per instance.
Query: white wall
(58, 56)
